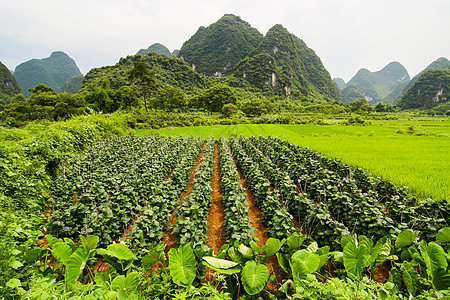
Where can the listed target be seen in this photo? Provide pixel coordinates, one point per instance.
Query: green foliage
(351, 93)
(381, 86)
(182, 265)
(302, 72)
(44, 103)
(431, 89)
(254, 277)
(169, 72)
(157, 47)
(229, 110)
(255, 107)
(214, 50)
(170, 99)
(9, 87)
(440, 63)
(52, 71)
(360, 106)
(213, 99)
(73, 85)
(144, 78)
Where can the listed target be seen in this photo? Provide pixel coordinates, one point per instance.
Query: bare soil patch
(216, 237)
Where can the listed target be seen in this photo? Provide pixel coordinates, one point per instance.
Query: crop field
(259, 212)
(415, 154)
(128, 187)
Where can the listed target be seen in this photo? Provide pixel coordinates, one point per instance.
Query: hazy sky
(346, 34)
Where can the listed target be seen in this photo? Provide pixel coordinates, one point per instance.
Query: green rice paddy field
(419, 160)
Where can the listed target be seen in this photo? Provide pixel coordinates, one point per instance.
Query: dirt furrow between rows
(216, 237)
(170, 239)
(261, 234)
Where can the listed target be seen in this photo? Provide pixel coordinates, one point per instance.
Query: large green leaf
(324, 254)
(273, 245)
(283, 262)
(378, 253)
(127, 284)
(246, 252)
(90, 242)
(119, 251)
(182, 265)
(254, 277)
(441, 279)
(155, 254)
(304, 262)
(434, 257)
(410, 277)
(406, 238)
(75, 265)
(62, 252)
(295, 241)
(345, 239)
(354, 258)
(221, 265)
(443, 235)
(34, 255)
(13, 283)
(236, 256)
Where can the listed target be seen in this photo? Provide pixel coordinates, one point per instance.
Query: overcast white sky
(346, 34)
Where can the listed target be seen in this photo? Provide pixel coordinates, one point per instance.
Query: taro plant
(247, 265)
(423, 265)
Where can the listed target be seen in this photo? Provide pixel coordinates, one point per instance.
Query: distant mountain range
(158, 48)
(52, 71)
(279, 61)
(430, 90)
(386, 86)
(377, 86)
(232, 52)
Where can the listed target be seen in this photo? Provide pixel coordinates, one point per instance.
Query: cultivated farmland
(128, 187)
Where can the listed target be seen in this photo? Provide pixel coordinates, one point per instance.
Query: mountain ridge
(52, 71)
(9, 87)
(378, 86)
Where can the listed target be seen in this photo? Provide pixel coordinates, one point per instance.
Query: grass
(421, 162)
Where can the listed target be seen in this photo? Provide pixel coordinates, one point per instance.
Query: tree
(213, 99)
(128, 96)
(229, 109)
(144, 78)
(171, 99)
(256, 107)
(360, 105)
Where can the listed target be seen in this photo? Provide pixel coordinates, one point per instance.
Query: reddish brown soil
(382, 272)
(216, 215)
(170, 239)
(262, 235)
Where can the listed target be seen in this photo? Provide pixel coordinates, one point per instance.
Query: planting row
(117, 178)
(191, 221)
(363, 204)
(133, 184)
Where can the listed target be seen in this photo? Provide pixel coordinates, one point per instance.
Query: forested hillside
(301, 71)
(52, 71)
(9, 87)
(377, 87)
(216, 49)
(157, 47)
(431, 90)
